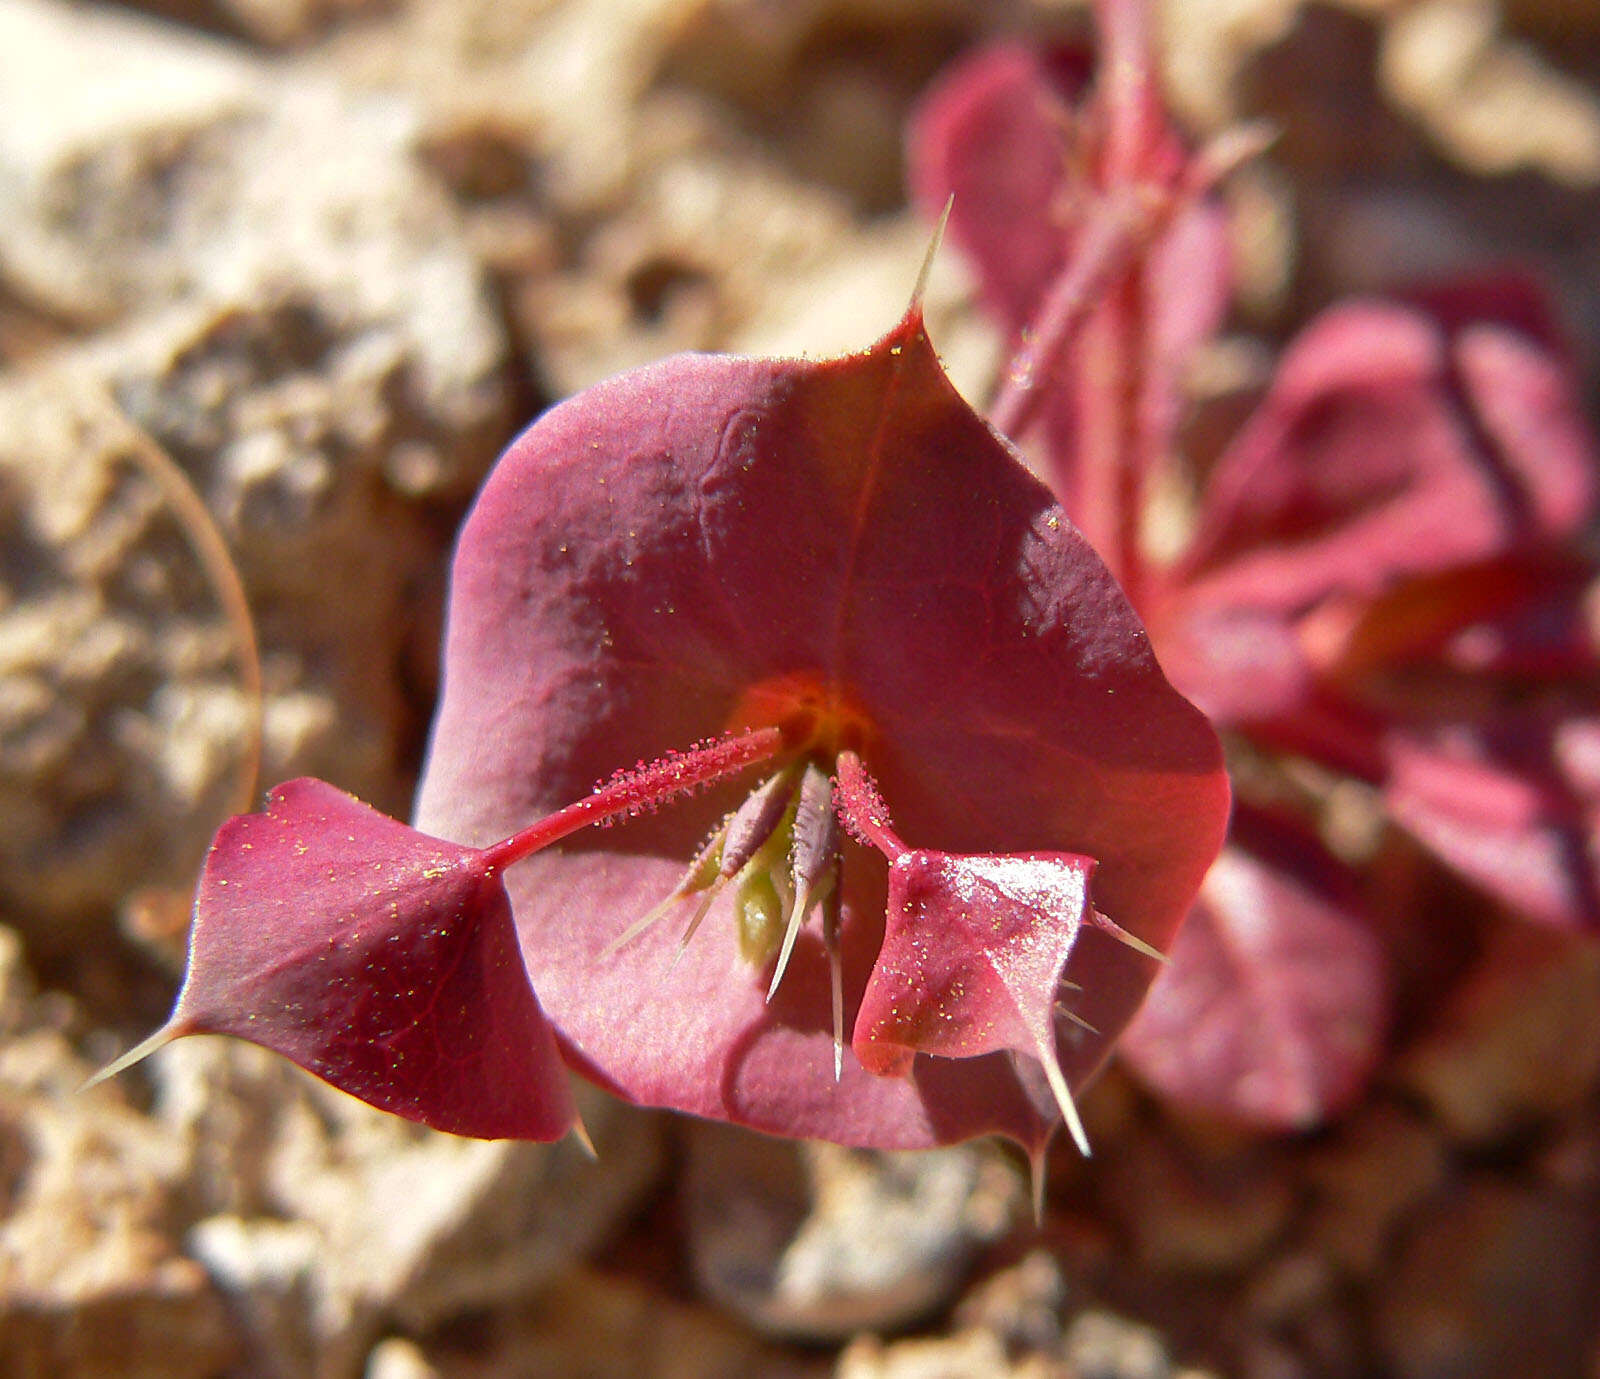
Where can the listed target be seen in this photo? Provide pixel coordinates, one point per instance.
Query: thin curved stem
(862, 810)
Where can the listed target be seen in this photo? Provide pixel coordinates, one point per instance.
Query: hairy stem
(641, 789)
(861, 808)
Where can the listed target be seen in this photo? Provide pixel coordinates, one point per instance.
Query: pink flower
(793, 586)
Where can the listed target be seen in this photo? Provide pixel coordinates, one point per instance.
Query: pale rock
(1377, 1169)
(603, 164)
(853, 296)
(1096, 1345)
(291, 24)
(330, 1219)
(93, 1283)
(398, 1358)
(1204, 44)
(281, 23)
(818, 1242)
(689, 260)
(1263, 240)
(1205, 1207)
(267, 1271)
(149, 166)
(124, 727)
(548, 90)
(826, 105)
(1023, 1304)
(1495, 105)
(1101, 1345)
(1518, 1043)
(964, 1355)
(110, 121)
(585, 70)
(1300, 1320)
(593, 1322)
(79, 651)
(299, 327)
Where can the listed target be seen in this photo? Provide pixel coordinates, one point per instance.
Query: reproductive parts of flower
(1005, 925)
(779, 851)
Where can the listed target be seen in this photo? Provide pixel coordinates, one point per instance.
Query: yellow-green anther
(755, 837)
(707, 864)
(760, 909)
(763, 880)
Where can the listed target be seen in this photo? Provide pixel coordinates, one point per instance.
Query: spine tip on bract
(1063, 1093)
(137, 1054)
(926, 271)
(1133, 941)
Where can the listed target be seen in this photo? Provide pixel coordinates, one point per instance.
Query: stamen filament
(700, 912)
(814, 861)
(687, 886)
(832, 916)
(797, 917)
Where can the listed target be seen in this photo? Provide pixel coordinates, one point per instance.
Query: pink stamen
(861, 808)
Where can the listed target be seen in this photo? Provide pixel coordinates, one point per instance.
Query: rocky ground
(278, 278)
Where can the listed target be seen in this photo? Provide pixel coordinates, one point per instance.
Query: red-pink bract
(1392, 519)
(1391, 444)
(667, 549)
(1376, 583)
(1368, 492)
(1510, 796)
(378, 958)
(1276, 989)
(974, 950)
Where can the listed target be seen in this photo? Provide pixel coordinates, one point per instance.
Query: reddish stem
(642, 789)
(1108, 466)
(1114, 230)
(1127, 89)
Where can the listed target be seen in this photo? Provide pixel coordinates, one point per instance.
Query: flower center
(819, 717)
(779, 851)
